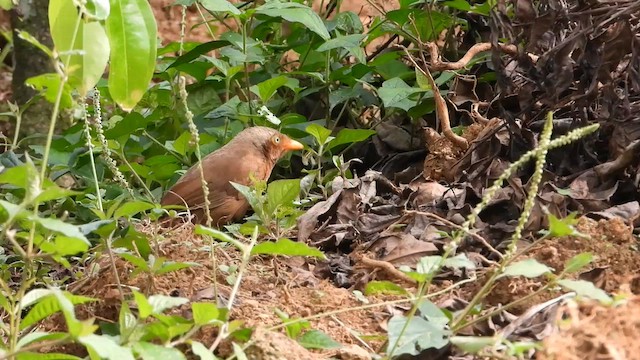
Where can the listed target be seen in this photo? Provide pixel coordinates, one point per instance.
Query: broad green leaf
(144, 308)
(6, 4)
(578, 262)
(282, 193)
(460, 261)
(34, 296)
(427, 265)
(205, 313)
(384, 287)
(201, 351)
(586, 289)
(98, 9)
(132, 31)
(39, 336)
(433, 313)
(473, 344)
(133, 208)
(251, 196)
(13, 210)
(320, 133)
(294, 12)
(106, 348)
(351, 43)
(136, 261)
(60, 227)
(395, 93)
(418, 336)
(149, 351)
(50, 305)
(49, 84)
(53, 193)
(220, 6)
(85, 56)
(529, 268)
(316, 339)
(350, 136)
(286, 247)
(64, 246)
(160, 303)
(267, 88)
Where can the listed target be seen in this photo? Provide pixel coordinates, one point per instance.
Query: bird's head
(270, 142)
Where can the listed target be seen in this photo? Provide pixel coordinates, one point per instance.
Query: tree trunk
(32, 17)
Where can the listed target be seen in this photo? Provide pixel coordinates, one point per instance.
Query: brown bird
(251, 154)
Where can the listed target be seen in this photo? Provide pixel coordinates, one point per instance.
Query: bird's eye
(276, 139)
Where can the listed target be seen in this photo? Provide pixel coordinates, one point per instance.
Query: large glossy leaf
(295, 12)
(132, 30)
(84, 56)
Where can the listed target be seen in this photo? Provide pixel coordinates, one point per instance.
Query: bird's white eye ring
(276, 139)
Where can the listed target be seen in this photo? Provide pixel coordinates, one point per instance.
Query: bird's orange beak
(291, 145)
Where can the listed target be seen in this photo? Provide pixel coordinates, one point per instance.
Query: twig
(474, 235)
(386, 266)
(441, 107)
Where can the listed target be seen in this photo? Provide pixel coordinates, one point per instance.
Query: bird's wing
(220, 167)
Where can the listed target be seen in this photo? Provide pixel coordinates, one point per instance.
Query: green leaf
(351, 43)
(33, 41)
(578, 262)
(160, 303)
(220, 6)
(214, 233)
(460, 261)
(98, 9)
(418, 336)
(132, 208)
(49, 356)
(170, 266)
(85, 56)
(433, 313)
(586, 289)
(473, 344)
(395, 93)
(39, 336)
(529, 268)
(64, 246)
(144, 308)
(132, 31)
(136, 261)
(384, 287)
(320, 133)
(61, 227)
(149, 351)
(282, 193)
(350, 136)
(49, 305)
(6, 4)
(563, 227)
(205, 313)
(298, 13)
(106, 348)
(286, 247)
(316, 339)
(427, 265)
(13, 210)
(53, 193)
(49, 84)
(267, 88)
(201, 351)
